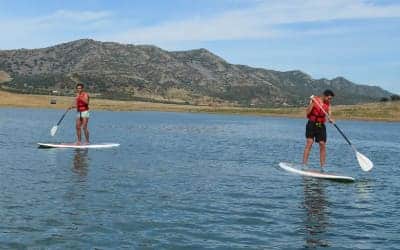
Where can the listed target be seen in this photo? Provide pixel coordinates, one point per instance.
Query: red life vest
(317, 114)
(81, 106)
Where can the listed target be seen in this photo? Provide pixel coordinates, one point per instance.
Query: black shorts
(316, 131)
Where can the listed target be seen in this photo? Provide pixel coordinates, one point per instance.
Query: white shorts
(83, 114)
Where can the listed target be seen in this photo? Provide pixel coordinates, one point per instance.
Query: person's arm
(84, 98)
(310, 107)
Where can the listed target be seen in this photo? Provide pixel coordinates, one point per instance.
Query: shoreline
(383, 111)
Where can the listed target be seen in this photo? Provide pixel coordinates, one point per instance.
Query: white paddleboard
(73, 145)
(290, 167)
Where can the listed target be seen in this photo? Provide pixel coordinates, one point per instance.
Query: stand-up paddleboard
(290, 167)
(73, 145)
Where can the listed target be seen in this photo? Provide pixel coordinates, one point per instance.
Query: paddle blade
(53, 130)
(365, 163)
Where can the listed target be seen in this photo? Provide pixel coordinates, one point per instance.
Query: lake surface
(193, 181)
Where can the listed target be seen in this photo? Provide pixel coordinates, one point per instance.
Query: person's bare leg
(85, 128)
(307, 149)
(78, 131)
(322, 153)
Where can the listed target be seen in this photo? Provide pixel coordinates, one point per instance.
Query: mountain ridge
(146, 72)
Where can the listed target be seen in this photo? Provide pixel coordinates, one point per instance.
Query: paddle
(365, 163)
(53, 130)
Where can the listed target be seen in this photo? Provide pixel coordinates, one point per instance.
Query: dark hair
(79, 84)
(329, 92)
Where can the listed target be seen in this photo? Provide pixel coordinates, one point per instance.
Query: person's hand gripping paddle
(365, 163)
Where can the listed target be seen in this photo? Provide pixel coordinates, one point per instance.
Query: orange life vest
(81, 106)
(317, 114)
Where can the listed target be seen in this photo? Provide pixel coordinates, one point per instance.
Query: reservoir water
(193, 181)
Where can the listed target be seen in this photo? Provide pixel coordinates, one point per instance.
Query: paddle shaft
(344, 136)
(62, 117)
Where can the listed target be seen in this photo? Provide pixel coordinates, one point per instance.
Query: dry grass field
(385, 111)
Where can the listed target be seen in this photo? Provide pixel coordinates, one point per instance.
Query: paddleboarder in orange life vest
(315, 128)
(82, 117)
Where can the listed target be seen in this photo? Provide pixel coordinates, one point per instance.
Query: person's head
(79, 87)
(328, 95)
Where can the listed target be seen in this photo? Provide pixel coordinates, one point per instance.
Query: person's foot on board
(78, 143)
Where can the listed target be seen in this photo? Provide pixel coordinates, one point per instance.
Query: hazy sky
(357, 39)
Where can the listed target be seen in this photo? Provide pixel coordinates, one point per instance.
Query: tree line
(393, 98)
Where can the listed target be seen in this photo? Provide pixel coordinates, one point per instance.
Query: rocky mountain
(113, 70)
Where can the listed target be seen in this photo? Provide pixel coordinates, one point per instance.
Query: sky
(356, 39)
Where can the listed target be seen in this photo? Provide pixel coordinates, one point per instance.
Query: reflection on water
(80, 162)
(364, 189)
(316, 220)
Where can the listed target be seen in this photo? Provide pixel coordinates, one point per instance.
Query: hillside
(148, 73)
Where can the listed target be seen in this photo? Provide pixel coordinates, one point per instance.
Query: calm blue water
(193, 181)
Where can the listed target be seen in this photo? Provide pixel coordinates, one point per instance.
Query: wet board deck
(293, 168)
(73, 145)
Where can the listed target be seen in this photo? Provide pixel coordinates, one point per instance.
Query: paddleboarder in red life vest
(82, 117)
(315, 128)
